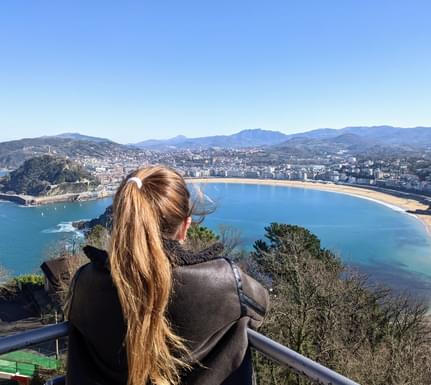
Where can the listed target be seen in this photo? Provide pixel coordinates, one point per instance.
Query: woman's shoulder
(99, 258)
(208, 267)
(210, 296)
(179, 256)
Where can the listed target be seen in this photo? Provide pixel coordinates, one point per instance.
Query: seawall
(29, 200)
(13, 198)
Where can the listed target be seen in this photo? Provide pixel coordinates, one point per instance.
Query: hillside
(47, 175)
(14, 153)
(78, 136)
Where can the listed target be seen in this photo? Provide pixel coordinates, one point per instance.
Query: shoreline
(33, 201)
(404, 202)
(406, 205)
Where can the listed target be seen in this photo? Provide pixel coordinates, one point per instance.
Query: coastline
(29, 200)
(407, 204)
(403, 202)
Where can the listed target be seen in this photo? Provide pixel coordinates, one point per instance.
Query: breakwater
(13, 198)
(29, 200)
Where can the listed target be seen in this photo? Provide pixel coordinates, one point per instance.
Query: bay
(391, 246)
(28, 235)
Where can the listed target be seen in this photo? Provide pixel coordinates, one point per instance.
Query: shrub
(335, 317)
(30, 279)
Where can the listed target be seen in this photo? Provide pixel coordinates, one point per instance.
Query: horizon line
(293, 132)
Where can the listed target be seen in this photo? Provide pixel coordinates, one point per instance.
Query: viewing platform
(271, 349)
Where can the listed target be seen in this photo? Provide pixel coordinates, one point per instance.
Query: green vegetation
(38, 175)
(98, 236)
(29, 279)
(104, 220)
(335, 317)
(199, 237)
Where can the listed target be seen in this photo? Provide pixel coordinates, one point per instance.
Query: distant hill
(381, 140)
(77, 136)
(245, 138)
(15, 152)
(48, 175)
(160, 143)
(383, 135)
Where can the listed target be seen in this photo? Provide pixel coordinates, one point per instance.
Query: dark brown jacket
(213, 302)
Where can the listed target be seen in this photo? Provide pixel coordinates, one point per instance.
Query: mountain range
(245, 138)
(354, 139)
(365, 136)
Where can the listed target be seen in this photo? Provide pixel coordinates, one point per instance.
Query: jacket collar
(181, 257)
(174, 250)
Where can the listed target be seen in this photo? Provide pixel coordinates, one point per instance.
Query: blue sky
(133, 70)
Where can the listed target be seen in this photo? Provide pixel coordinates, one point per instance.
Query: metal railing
(295, 361)
(273, 350)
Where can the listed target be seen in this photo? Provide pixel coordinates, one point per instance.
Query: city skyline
(134, 71)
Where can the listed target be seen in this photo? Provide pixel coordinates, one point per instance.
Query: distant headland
(49, 179)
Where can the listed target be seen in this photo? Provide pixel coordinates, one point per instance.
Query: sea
(389, 245)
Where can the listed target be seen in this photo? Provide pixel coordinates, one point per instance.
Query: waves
(63, 227)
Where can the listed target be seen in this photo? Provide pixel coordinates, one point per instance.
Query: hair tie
(136, 180)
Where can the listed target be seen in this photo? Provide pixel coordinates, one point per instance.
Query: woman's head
(152, 204)
(166, 191)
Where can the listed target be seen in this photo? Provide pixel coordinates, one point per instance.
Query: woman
(151, 312)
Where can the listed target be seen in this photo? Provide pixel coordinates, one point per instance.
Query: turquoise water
(29, 234)
(391, 246)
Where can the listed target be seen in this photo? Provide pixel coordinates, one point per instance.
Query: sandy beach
(400, 203)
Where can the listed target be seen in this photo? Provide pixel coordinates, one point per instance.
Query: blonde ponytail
(142, 272)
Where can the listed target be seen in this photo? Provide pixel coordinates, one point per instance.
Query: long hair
(142, 272)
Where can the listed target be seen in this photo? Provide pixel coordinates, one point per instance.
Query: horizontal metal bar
(300, 364)
(265, 345)
(33, 337)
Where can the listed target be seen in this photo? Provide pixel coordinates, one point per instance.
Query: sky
(134, 70)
